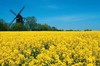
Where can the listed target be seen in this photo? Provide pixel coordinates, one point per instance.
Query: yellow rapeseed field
(50, 48)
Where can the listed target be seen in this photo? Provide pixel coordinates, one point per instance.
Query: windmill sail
(18, 17)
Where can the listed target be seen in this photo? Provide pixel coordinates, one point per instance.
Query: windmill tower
(18, 17)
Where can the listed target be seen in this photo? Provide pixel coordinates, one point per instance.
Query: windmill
(18, 18)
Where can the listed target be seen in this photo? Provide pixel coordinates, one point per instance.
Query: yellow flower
(90, 64)
(61, 48)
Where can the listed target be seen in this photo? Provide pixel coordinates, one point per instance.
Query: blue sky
(63, 14)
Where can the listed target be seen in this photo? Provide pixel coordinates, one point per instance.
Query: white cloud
(75, 18)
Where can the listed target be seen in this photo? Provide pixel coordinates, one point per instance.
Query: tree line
(30, 24)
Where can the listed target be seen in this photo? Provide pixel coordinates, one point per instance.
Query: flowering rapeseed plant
(50, 48)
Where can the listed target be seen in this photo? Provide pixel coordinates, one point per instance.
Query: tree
(46, 27)
(54, 28)
(3, 25)
(30, 23)
(87, 30)
(38, 27)
(18, 27)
